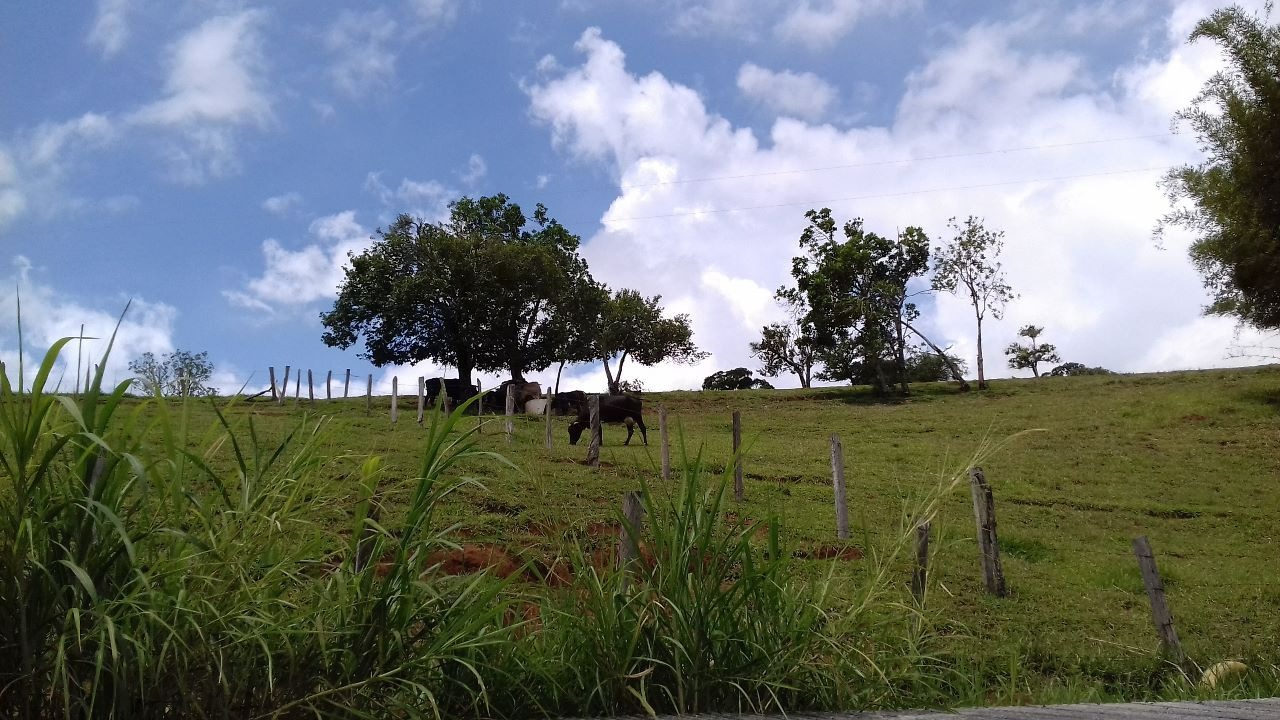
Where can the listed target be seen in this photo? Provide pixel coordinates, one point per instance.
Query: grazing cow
(567, 402)
(613, 408)
(457, 391)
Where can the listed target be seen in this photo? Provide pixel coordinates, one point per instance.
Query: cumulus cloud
(802, 95)
(283, 205)
(821, 23)
(364, 61)
(435, 12)
(215, 84)
(476, 170)
(111, 26)
(426, 199)
(49, 315)
(298, 277)
(708, 214)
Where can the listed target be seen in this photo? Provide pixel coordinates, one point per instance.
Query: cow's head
(575, 431)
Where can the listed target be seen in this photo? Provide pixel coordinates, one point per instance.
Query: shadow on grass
(1270, 397)
(864, 395)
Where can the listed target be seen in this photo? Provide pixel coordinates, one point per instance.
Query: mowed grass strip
(1188, 459)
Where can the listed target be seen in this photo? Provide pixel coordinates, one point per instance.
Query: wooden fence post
(297, 386)
(395, 390)
(984, 514)
(737, 456)
(629, 533)
(271, 372)
(284, 386)
(328, 385)
(422, 397)
(837, 479)
(919, 578)
(1160, 615)
(311, 389)
(346, 385)
(593, 447)
(510, 426)
(368, 395)
(666, 444)
(546, 409)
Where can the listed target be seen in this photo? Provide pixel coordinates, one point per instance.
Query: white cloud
(802, 95)
(982, 128)
(111, 27)
(820, 23)
(363, 61)
(476, 170)
(49, 315)
(435, 12)
(733, 18)
(293, 278)
(215, 84)
(283, 205)
(428, 199)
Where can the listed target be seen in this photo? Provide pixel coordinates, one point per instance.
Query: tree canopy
(859, 303)
(180, 373)
(1234, 194)
(487, 289)
(735, 379)
(969, 264)
(632, 326)
(789, 346)
(1031, 355)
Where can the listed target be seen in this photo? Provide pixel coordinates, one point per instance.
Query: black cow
(613, 408)
(457, 391)
(567, 402)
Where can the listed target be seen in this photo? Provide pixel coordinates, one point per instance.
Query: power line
(903, 161)
(816, 203)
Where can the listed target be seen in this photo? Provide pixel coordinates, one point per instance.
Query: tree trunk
(464, 375)
(955, 370)
(982, 378)
(558, 371)
(902, 356)
(608, 375)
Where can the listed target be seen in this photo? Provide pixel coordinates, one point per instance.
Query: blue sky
(215, 160)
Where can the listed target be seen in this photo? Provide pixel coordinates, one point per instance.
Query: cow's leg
(631, 428)
(644, 435)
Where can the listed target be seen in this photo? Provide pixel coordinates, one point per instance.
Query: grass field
(1188, 459)
(1079, 467)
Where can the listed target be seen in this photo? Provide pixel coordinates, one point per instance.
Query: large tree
(482, 290)
(789, 346)
(180, 373)
(970, 264)
(858, 292)
(633, 327)
(1234, 193)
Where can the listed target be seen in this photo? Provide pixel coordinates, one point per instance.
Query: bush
(735, 379)
(1074, 368)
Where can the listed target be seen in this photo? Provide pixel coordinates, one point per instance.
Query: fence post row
(546, 409)
(666, 445)
(984, 513)
(920, 577)
(738, 490)
(510, 425)
(284, 386)
(1160, 614)
(837, 480)
(593, 447)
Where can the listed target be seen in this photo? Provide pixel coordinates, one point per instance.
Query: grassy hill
(1189, 459)
(184, 551)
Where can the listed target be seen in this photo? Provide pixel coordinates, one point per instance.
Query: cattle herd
(626, 409)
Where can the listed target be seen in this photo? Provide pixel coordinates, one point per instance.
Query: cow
(613, 408)
(567, 402)
(457, 391)
(495, 400)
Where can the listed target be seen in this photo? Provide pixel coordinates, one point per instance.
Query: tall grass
(150, 568)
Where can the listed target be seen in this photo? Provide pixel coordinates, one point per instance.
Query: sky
(211, 163)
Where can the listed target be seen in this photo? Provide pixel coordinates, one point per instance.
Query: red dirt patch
(472, 558)
(829, 552)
